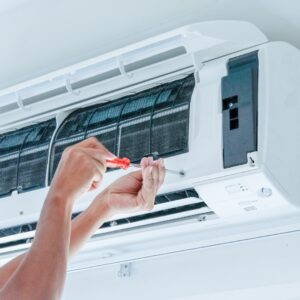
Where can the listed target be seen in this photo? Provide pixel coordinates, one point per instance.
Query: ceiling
(38, 36)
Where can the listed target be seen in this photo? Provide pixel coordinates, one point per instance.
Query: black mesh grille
(24, 156)
(178, 195)
(155, 120)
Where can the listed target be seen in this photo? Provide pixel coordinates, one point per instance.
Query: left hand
(135, 191)
(80, 169)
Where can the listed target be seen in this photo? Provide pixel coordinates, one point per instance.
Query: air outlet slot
(45, 96)
(8, 108)
(155, 59)
(24, 157)
(155, 120)
(168, 207)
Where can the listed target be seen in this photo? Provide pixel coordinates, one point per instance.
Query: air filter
(155, 120)
(24, 157)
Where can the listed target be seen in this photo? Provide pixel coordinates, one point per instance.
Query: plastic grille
(159, 199)
(24, 157)
(155, 120)
(134, 219)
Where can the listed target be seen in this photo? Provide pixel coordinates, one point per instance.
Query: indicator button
(265, 192)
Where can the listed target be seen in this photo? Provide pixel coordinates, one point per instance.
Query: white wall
(42, 35)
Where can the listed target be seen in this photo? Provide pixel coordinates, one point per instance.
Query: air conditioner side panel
(282, 114)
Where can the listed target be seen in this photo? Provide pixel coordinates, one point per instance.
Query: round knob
(265, 192)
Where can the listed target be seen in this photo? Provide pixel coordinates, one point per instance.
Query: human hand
(80, 169)
(134, 191)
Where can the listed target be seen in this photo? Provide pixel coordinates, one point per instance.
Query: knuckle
(80, 155)
(71, 152)
(93, 141)
(83, 159)
(67, 151)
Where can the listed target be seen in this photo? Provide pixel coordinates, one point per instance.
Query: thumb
(148, 183)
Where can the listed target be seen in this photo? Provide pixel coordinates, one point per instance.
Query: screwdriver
(124, 163)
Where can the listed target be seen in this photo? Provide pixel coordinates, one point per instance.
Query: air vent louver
(171, 205)
(24, 156)
(155, 120)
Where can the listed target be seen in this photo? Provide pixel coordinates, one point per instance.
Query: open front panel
(24, 156)
(155, 120)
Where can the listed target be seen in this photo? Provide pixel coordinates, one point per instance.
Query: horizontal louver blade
(170, 206)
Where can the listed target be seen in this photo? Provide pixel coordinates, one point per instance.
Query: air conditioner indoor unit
(215, 99)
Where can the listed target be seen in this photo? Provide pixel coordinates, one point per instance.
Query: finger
(148, 182)
(148, 188)
(147, 178)
(137, 175)
(155, 176)
(97, 167)
(97, 157)
(97, 179)
(162, 172)
(95, 185)
(150, 160)
(144, 164)
(92, 142)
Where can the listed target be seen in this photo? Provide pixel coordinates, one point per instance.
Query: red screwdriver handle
(122, 163)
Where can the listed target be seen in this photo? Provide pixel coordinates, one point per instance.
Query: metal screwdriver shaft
(181, 172)
(125, 163)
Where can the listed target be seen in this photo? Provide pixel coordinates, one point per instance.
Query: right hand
(133, 192)
(80, 169)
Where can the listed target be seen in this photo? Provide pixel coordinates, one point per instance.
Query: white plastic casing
(247, 199)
